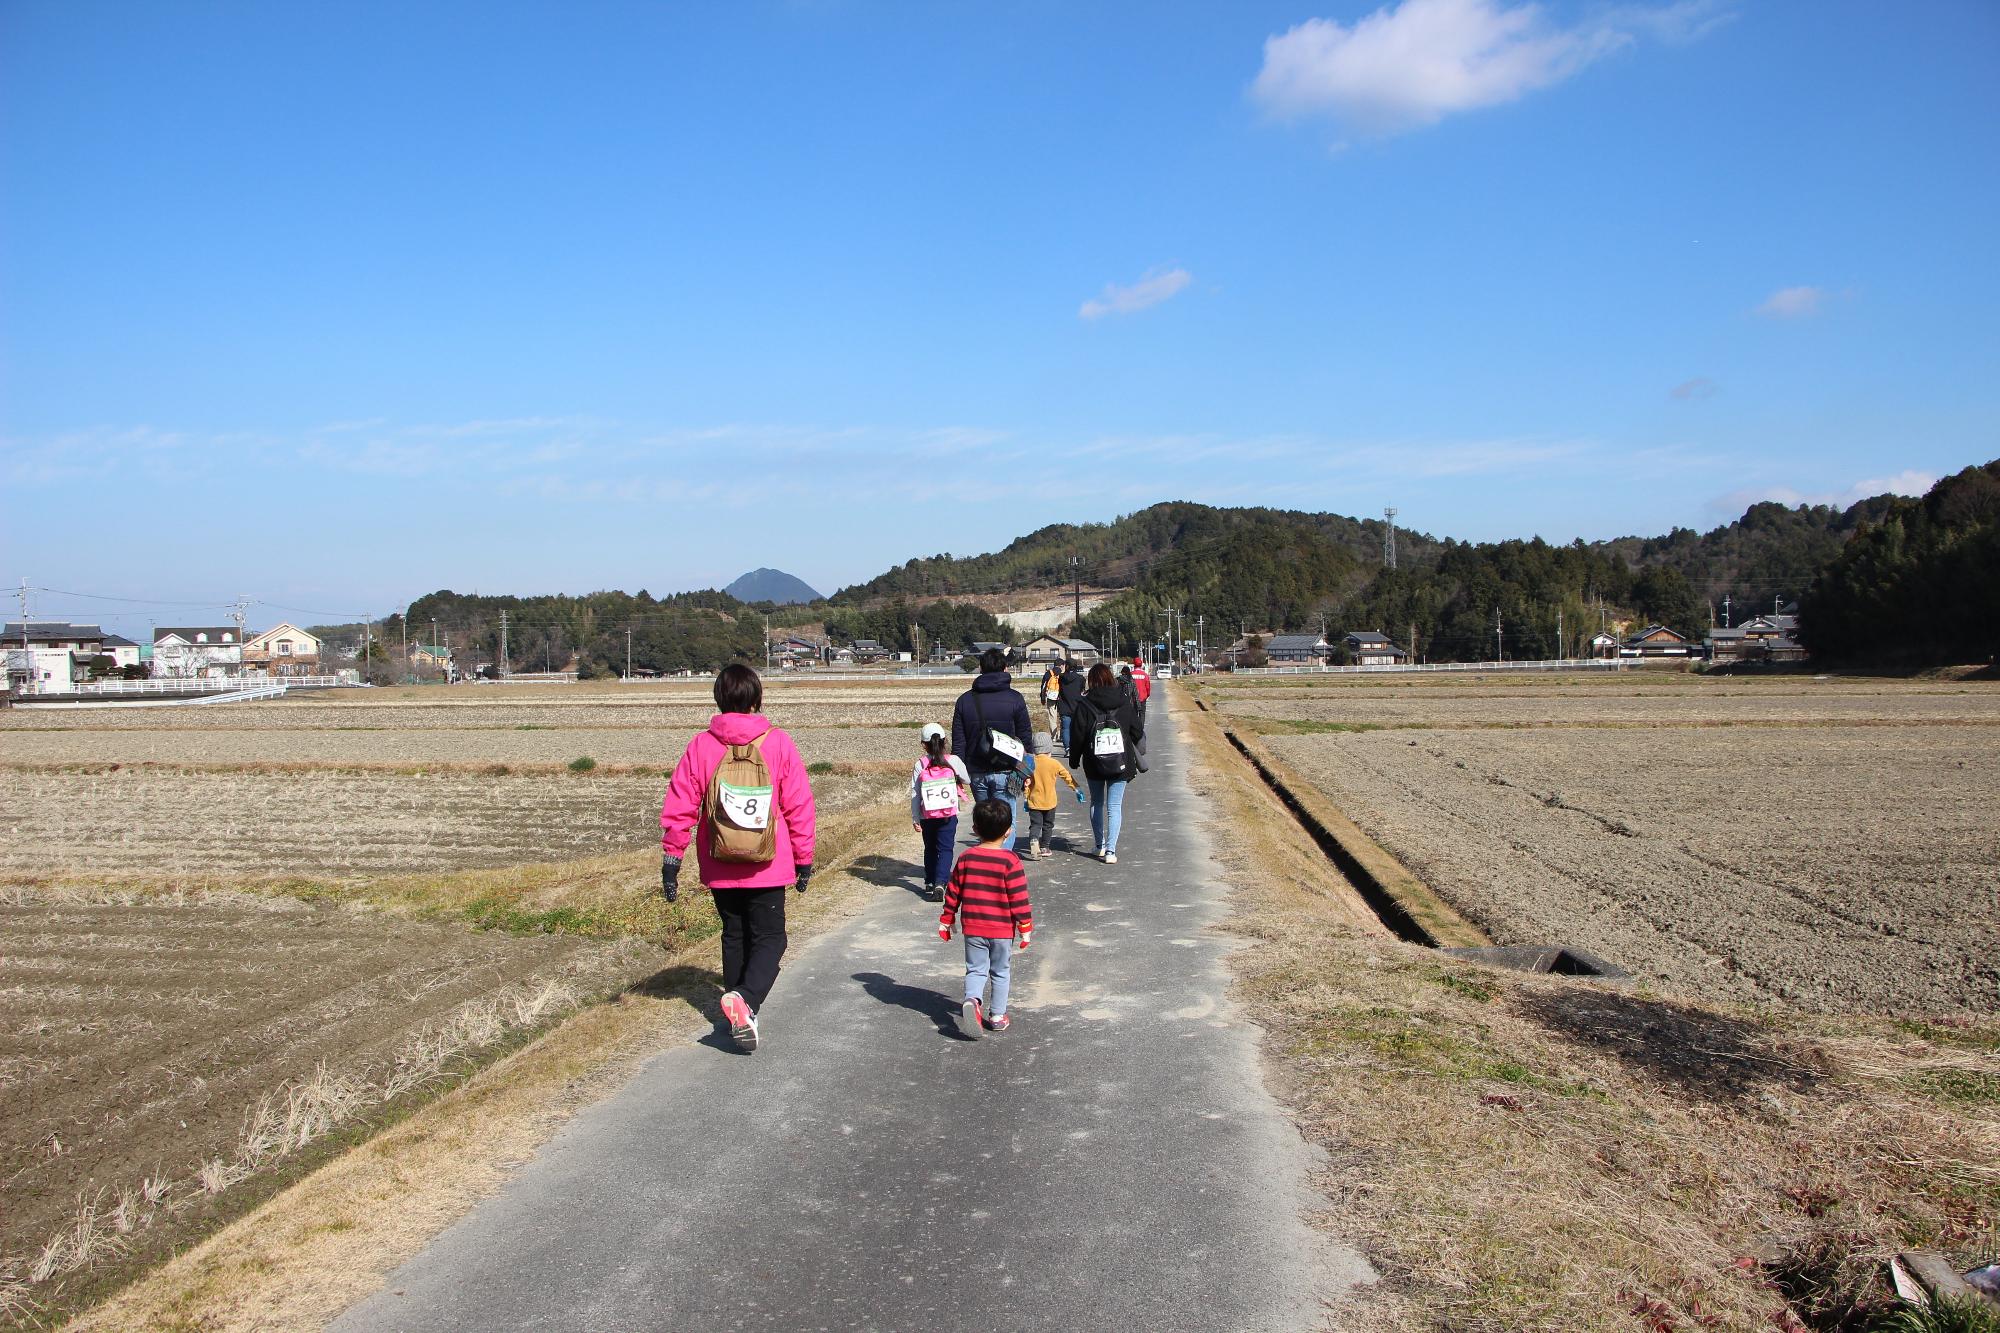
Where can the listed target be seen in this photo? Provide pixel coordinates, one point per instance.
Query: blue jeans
(1107, 811)
(999, 787)
(939, 835)
(1062, 746)
(984, 958)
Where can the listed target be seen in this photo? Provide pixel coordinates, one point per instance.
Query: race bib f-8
(1108, 740)
(1004, 744)
(746, 807)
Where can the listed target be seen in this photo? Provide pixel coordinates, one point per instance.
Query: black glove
(805, 873)
(670, 878)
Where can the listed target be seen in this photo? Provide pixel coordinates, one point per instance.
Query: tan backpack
(737, 808)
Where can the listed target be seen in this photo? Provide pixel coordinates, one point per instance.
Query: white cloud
(1156, 286)
(1412, 64)
(1910, 481)
(1793, 303)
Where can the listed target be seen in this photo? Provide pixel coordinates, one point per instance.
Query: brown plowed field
(136, 1037)
(1777, 844)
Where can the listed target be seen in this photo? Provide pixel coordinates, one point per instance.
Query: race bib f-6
(746, 807)
(939, 796)
(1108, 740)
(1002, 743)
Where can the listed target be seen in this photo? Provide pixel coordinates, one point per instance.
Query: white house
(196, 651)
(285, 650)
(1050, 648)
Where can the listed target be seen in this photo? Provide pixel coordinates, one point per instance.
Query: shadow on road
(940, 1009)
(889, 872)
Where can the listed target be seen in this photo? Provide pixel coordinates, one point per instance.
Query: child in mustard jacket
(1042, 795)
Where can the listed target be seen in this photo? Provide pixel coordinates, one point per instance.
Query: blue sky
(335, 305)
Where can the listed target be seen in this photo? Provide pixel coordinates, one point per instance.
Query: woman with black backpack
(1105, 736)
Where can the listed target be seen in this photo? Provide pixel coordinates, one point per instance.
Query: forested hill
(1120, 554)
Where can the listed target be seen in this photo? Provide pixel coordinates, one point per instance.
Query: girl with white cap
(937, 784)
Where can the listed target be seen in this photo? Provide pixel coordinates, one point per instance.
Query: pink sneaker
(742, 1023)
(999, 1023)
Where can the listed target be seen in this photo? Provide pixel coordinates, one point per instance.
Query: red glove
(944, 930)
(1024, 937)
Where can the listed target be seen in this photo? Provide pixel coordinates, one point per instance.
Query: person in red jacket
(749, 895)
(988, 897)
(1142, 686)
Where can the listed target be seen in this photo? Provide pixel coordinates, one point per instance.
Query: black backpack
(1107, 750)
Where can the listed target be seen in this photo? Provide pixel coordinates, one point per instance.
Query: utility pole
(24, 621)
(1562, 648)
(1389, 539)
(1726, 622)
(628, 652)
(767, 643)
(503, 642)
(1413, 658)
(1201, 637)
(405, 620)
(1076, 572)
(1498, 644)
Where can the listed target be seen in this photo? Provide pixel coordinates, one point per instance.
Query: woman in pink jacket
(749, 895)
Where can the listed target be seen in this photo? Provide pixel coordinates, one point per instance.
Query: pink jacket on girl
(792, 814)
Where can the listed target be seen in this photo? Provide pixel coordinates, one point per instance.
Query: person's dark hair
(936, 747)
(1125, 671)
(1100, 675)
(738, 689)
(993, 659)
(991, 818)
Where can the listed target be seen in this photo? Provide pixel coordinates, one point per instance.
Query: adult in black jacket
(1105, 736)
(993, 705)
(1068, 692)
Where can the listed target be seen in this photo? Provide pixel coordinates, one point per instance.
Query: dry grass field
(238, 938)
(1829, 843)
(1521, 1152)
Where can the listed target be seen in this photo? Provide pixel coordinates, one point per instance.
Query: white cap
(930, 731)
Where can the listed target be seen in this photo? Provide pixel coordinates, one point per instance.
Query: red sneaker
(971, 1019)
(999, 1023)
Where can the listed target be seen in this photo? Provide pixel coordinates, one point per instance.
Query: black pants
(753, 940)
(1041, 824)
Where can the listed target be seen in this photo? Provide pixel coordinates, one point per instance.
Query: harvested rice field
(234, 938)
(1831, 844)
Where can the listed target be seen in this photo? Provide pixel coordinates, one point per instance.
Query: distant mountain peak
(771, 585)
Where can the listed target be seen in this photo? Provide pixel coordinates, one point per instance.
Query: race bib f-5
(1002, 743)
(746, 807)
(1108, 740)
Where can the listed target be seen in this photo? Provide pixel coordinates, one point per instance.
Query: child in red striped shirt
(988, 897)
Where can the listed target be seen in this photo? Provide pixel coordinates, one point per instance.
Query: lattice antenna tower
(1389, 539)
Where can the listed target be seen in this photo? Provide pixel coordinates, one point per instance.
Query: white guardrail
(1552, 664)
(204, 685)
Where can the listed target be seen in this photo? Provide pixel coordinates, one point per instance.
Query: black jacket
(991, 702)
(1070, 692)
(1107, 705)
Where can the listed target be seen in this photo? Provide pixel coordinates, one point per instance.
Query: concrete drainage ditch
(1403, 903)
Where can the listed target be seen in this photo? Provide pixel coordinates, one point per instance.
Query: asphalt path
(1112, 1161)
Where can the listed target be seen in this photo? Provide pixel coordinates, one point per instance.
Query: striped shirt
(990, 890)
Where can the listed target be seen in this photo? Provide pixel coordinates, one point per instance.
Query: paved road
(1113, 1161)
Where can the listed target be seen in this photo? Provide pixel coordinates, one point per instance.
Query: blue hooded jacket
(991, 702)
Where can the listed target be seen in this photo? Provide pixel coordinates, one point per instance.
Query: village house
(979, 646)
(1053, 648)
(125, 653)
(285, 650)
(1371, 648)
(196, 652)
(1656, 641)
(868, 650)
(1297, 649)
(1604, 645)
(49, 656)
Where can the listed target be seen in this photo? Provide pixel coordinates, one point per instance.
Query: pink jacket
(793, 816)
